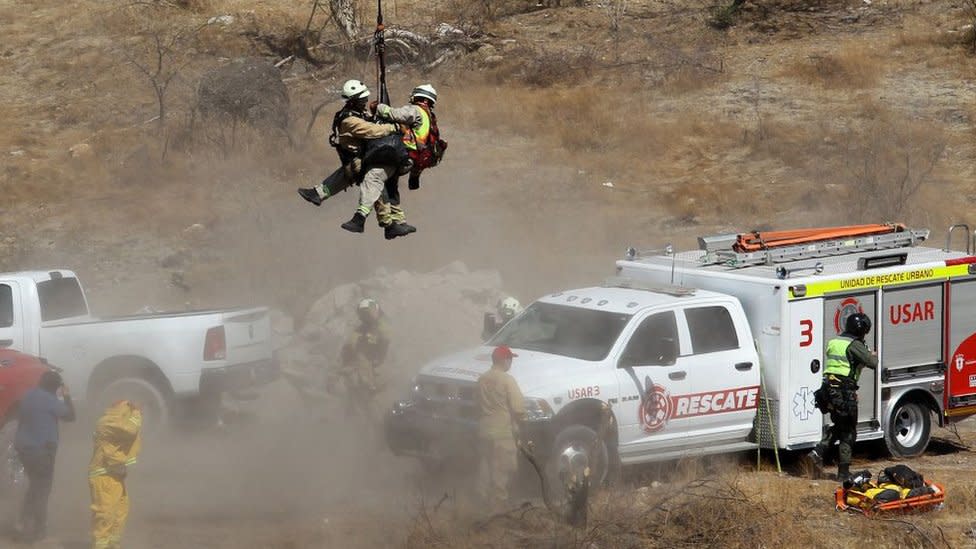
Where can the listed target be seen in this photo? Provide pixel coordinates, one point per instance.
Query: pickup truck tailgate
(248, 334)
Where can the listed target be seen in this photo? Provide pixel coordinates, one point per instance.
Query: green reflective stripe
(836, 357)
(97, 472)
(130, 461)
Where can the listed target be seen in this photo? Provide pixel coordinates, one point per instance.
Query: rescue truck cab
(720, 349)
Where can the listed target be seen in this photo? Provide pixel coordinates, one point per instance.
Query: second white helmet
(354, 89)
(509, 307)
(424, 91)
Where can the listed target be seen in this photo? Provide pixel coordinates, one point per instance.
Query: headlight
(409, 399)
(537, 409)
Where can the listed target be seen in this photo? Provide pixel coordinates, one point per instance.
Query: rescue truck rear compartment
(923, 311)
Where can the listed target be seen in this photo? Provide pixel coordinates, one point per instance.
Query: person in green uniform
(847, 354)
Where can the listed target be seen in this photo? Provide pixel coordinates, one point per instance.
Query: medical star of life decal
(803, 405)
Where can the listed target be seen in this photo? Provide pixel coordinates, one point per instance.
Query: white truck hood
(532, 370)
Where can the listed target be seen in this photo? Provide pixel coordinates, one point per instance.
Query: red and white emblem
(655, 409)
(846, 308)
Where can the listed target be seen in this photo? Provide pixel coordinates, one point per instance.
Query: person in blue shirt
(36, 443)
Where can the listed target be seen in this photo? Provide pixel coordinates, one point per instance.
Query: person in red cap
(502, 408)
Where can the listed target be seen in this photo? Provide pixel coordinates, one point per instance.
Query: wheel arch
(588, 412)
(918, 395)
(123, 366)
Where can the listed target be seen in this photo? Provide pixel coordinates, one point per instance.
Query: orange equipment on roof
(762, 240)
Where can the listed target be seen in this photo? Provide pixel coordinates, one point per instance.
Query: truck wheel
(577, 446)
(909, 429)
(154, 404)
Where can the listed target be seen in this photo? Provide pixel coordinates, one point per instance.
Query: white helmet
(509, 307)
(354, 89)
(368, 303)
(424, 91)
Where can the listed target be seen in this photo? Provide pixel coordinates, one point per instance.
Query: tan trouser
(372, 187)
(499, 462)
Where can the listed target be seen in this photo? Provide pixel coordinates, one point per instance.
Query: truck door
(911, 332)
(806, 344)
(836, 311)
(11, 317)
(650, 374)
(961, 372)
(724, 371)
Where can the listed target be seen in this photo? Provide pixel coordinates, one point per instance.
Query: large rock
(428, 314)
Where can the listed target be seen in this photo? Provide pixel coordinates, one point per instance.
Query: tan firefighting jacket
(501, 403)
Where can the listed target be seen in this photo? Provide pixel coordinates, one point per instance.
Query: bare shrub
(889, 162)
(552, 67)
(159, 50)
(969, 33)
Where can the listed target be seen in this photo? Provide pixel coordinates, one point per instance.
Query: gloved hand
(413, 183)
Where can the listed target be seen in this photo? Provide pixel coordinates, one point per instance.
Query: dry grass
(851, 67)
(729, 510)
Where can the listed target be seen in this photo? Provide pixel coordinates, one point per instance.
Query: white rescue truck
(721, 349)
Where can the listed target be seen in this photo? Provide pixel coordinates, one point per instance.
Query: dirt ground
(570, 140)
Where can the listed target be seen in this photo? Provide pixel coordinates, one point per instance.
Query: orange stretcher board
(926, 502)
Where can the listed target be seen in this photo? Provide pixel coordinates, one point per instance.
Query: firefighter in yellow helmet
(117, 443)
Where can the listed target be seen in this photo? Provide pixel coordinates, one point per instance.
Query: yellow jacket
(117, 437)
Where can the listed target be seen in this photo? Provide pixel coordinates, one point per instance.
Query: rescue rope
(379, 44)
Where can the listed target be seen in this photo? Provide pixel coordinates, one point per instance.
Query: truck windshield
(61, 298)
(563, 330)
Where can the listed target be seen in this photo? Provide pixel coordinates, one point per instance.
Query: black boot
(357, 224)
(843, 472)
(311, 195)
(398, 229)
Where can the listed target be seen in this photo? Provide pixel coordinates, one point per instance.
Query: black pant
(39, 466)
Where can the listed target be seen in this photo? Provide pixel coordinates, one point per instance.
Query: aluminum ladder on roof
(718, 248)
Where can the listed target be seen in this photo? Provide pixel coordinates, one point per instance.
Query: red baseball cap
(502, 352)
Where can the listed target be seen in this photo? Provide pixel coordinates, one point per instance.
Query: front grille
(449, 399)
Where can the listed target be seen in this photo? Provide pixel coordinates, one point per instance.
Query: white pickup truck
(718, 350)
(158, 360)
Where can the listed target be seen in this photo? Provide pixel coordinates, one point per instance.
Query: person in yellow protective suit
(117, 444)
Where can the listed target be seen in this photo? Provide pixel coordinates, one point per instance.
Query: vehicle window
(6, 306)
(61, 298)
(654, 343)
(711, 329)
(575, 332)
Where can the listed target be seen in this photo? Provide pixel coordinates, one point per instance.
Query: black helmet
(858, 325)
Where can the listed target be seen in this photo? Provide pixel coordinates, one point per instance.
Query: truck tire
(576, 441)
(153, 402)
(909, 429)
